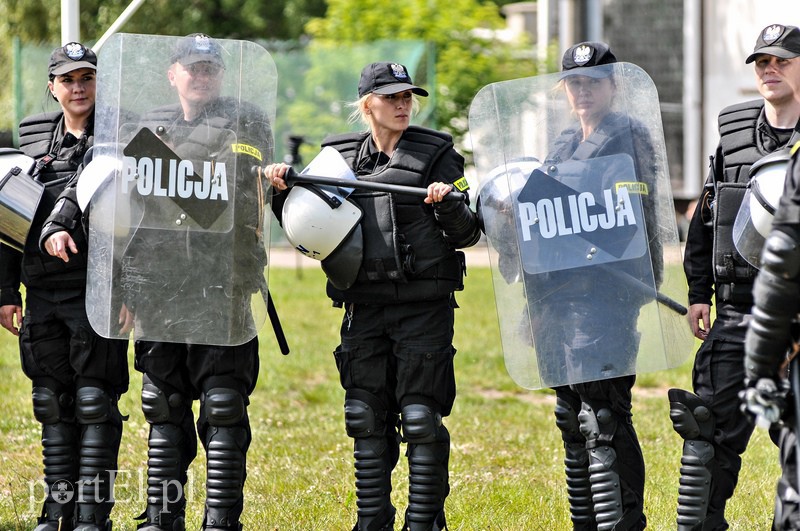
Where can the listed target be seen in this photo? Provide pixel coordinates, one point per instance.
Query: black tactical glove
(764, 401)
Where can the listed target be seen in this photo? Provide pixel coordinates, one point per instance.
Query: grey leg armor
(576, 465)
(599, 427)
(101, 432)
(428, 477)
(172, 445)
(376, 449)
(692, 420)
(226, 440)
(59, 451)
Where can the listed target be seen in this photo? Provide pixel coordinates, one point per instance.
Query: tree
(465, 60)
(34, 22)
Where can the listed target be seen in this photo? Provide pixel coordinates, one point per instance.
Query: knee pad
(690, 415)
(420, 423)
(597, 426)
(48, 407)
(364, 418)
(94, 406)
(158, 408)
(223, 406)
(567, 420)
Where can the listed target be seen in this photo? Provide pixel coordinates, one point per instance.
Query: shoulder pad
(39, 119)
(38, 128)
(432, 132)
(747, 110)
(344, 138)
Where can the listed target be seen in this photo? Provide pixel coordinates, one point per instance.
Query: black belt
(735, 293)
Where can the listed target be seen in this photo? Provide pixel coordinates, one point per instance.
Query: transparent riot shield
(179, 222)
(583, 241)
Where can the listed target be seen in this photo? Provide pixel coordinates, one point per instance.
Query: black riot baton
(637, 284)
(273, 316)
(276, 325)
(294, 177)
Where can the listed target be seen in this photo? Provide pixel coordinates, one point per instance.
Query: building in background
(694, 50)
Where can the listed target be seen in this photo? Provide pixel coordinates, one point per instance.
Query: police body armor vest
(740, 146)
(37, 140)
(211, 129)
(405, 255)
(612, 137)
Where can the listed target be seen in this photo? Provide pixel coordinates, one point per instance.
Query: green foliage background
(461, 61)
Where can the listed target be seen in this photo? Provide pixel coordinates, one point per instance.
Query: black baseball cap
(780, 41)
(197, 48)
(386, 78)
(583, 59)
(69, 57)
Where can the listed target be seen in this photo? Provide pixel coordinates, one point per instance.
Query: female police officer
(395, 359)
(77, 375)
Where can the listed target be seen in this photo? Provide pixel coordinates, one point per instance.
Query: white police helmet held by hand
(316, 221)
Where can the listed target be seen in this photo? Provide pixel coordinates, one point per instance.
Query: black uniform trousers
(192, 369)
(401, 353)
(60, 350)
(717, 378)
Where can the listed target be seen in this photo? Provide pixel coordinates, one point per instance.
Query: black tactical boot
(59, 453)
(226, 449)
(375, 458)
(167, 464)
(427, 486)
(576, 464)
(101, 432)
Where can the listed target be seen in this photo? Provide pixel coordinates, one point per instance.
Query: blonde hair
(359, 112)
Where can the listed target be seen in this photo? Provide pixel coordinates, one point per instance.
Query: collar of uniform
(370, 160)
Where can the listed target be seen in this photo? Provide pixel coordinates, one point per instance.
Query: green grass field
(506, 460)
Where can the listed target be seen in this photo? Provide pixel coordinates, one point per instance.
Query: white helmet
(317, 220)
(754, 219)
(19, 197)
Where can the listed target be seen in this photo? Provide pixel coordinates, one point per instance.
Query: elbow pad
(66, 215)
(459, 223)
(775, 295)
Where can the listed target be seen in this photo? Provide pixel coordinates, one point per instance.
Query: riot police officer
(603, 458)
(77, 375)
(174, 285)
(771, 366)
(715, 432)
(396, 354)
(221, 376)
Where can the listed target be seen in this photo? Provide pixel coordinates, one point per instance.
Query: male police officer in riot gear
(715, 432)
(77, 375)
(770, 336)
(175, 374)
(204, 130)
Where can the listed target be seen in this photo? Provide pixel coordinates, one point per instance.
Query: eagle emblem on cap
(399, 71)
(582, 54)
(202, 43)
(772, 33)
(74, 51)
